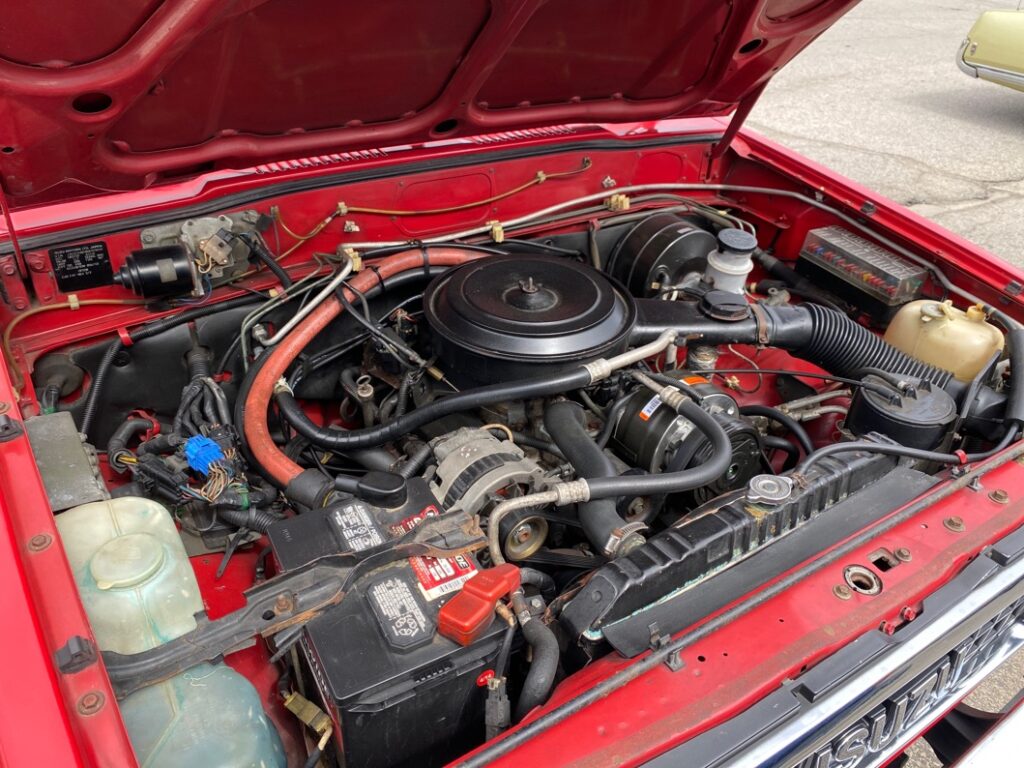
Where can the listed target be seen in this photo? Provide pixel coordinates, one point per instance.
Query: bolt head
(90, 703)
(955, 523)
(903, 554)
(522, 534)
(842, 591)
(39, 542)
(1000, 496)
(283, 603)
(908, 614)
(8, 269)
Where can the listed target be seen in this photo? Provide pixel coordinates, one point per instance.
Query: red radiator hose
(257, 433)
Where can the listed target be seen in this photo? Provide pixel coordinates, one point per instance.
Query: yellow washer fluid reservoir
(938, 333)
(139, 591)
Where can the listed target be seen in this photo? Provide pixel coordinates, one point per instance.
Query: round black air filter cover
(523, 315)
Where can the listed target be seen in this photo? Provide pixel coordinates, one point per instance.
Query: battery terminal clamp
(467, 616)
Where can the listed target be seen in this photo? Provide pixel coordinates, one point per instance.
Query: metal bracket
(75, 655)
(674, 660)
(12, 287)
(288, 601)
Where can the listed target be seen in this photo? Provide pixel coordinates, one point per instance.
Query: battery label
(406, 525)
(401, 617)
(442, 576)
(354, 527)
(648, 410)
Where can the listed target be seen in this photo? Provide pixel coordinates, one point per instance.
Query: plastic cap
(736, 240)
(467, 616)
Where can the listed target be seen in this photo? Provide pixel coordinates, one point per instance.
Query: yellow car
(994, 49)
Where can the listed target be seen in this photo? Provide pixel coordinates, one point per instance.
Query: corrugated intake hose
(844, 347)
(601, 522)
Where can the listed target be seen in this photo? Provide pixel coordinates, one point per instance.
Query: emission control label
(399, 613)
(77, 267)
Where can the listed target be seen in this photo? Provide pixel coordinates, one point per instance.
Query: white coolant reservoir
(139, 591)
(938, 333)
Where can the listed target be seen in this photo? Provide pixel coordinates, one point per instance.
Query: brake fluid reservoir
(940, 334)
(139, 592)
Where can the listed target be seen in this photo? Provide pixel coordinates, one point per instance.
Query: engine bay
(426, 480)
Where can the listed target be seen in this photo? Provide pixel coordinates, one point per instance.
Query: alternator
(472, 465)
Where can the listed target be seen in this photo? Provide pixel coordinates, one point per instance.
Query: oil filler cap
(725, 306)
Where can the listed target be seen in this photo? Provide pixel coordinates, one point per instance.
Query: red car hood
(121, 94)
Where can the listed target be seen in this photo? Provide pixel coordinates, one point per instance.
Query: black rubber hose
(92, 402)
(254, 519)
(119, 440)
(259, 250)
(903, 451)
(523, 389)
(173, 321)
(611, 419)
(774, 414)
(1015, 400)
(416, 462)
(674, 482)
(563, 420)
(372, 458)
(544, 666)
(531, 577)
(782, 444)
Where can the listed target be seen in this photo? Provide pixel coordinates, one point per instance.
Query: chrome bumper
(992, 74)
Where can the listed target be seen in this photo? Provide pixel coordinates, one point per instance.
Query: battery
(398, 692)
(858, 264)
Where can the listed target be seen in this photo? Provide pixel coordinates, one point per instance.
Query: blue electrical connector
(201, 452)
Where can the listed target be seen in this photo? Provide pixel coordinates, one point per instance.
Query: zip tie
(126, 338)
(73, 301)
(342, 209)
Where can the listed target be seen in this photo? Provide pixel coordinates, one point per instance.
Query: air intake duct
(822, 336)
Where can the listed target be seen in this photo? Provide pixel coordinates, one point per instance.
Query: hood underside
(120, 94)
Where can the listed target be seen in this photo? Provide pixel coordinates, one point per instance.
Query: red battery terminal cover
(467, 616)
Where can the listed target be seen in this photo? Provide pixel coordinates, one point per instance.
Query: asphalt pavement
(879, 98)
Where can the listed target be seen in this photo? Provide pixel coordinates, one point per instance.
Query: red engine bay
(658, 633)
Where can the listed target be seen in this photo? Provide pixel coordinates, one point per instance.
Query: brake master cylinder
(729, 265)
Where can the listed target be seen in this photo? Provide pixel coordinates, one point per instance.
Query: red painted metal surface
(43, 717)
(660, 709)
(128, 94)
